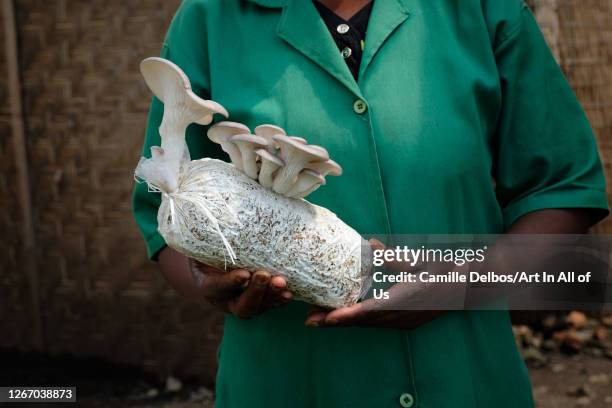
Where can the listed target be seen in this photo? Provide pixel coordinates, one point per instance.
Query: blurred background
(76, 290)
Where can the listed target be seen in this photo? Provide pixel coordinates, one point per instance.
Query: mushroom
(247, 144)
(269, 164)
(156, 152)
(267, 132)
(324, 168)
(307, 182)
(181, 108)
(295, 155)
(220, 134)
(299, 139)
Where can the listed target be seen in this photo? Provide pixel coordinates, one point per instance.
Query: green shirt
(450, 95)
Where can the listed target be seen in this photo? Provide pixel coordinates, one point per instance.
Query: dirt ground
(581, 380)
(573, 381)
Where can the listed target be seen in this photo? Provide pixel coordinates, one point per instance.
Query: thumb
(226, 285)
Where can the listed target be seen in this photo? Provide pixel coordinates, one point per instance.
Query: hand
(379, 313)
(366, 314)
(240, 292)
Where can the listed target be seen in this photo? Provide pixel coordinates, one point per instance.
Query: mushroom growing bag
(212, 212)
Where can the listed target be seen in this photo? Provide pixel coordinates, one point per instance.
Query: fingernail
(262, 279)
(243, 277)
(287, 295)
(312, 323)
(280, 285)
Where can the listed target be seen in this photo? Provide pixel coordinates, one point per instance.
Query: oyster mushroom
(324, 168)
(295, 155)
(298, 139)
(307, 182)
(247, 144)
(181, 108)
(220, 134)
(267, 132)
(156, 152)
(269, 164)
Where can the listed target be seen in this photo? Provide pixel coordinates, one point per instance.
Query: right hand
(240, 292)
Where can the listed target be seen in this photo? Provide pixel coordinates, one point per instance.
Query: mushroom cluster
(286, 164)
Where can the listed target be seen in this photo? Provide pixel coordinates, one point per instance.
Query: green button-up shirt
(450, 96)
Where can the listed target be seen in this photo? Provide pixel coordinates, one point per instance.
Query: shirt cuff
(590, 199)
(155, 243)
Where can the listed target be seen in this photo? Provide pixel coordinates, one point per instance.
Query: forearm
(513, 253)
(176, 270)
(553, 221)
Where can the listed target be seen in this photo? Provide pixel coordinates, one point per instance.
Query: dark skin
(367, 314)
(345, 8)
(239, 292)
(246, 294)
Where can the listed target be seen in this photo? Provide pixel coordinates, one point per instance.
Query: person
(423, 103)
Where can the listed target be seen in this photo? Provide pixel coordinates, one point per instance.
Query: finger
(376, 244)
(226, 285)
(285, 297)
(315, 316)
(277, 283)
(344, 315)
(280, 299)
(277, 294)
(249, 303)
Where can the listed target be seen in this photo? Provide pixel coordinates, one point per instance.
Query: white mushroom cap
(247, 144)
(295, 155)
(299, 139)
(165, 79)
(269, 164)
(220, 134)
(268, 131)
(307, 182)
(181, 108)
(324, 168)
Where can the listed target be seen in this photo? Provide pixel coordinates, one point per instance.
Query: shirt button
(346, 52)
(406, 400)
(343, 28)
(359, 106)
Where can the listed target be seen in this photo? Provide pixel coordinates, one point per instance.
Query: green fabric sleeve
(545, 152)
(185, 45)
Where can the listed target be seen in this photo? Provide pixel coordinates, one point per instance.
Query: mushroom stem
(286, 177)
(247, 144)
(220, 134)
(181, 108)
(307, 182)
(269, 164)
(295, 155)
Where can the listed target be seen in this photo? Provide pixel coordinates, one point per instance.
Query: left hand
(378, 313)
(366, 314)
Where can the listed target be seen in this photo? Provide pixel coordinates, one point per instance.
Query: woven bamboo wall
(85, 108)
(13, 283)
(580, 34)
(585, 48)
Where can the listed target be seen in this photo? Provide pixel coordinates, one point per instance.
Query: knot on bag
(178, 203)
